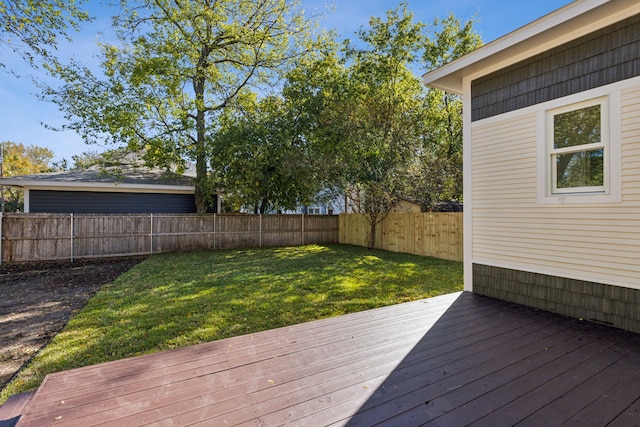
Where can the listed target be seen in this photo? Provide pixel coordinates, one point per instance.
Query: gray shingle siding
(603, 57)
(611, 305)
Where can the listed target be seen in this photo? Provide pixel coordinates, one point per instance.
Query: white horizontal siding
(493, 156)
(595, 242)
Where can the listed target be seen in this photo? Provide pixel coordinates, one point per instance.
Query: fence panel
(37, 237)
(277, 229)
(176, 232)
(34, 237)
(98, 235)
(238, 231)
(430, 234)
(321, 229)
(48, 237)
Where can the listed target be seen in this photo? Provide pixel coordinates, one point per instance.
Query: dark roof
(123, 174)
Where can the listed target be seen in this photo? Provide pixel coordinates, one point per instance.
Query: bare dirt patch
(38, 299)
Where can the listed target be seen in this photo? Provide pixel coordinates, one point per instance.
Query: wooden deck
(453, 360)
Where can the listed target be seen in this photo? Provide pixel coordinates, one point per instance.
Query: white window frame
(603, 145)
(611, 129)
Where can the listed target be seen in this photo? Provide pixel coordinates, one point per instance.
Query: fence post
(214, 231)
(260, 231)
(302, 227)
(1, 230)
(71, 217)
(151, 234)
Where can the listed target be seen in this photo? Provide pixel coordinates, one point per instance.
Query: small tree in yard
(376, 131)
(382, 114)
(404, 141)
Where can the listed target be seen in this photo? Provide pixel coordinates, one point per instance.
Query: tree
(19, 159)
(181, 64)
(32, 28)
(383, 115)
(316, 91)
(438, 174)
(265, 158)
(381, 134)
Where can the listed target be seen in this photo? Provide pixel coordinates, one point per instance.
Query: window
(314, 211)
(578, 148)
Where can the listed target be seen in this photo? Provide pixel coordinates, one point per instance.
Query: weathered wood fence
(429, 234)
(40, 237)
(34, 237)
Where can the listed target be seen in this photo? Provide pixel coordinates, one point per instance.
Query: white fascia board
(578, 18)
(103, 187)
(467, 228)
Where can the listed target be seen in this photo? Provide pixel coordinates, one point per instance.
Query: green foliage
(178, 66)
(19, 159)
(115, 157)
(583, 164)
(260, 156)
(450, 40)
(32, 28)
(176, 300)
(275, 152)
(350, 119)
(385, 111)
(437, 174)
(382, 135)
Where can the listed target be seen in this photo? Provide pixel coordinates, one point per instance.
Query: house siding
(596, 242)
(540, 254)
(596, 302)
(50, 201)
(598, 59)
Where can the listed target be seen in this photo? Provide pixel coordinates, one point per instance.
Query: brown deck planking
(450, 360)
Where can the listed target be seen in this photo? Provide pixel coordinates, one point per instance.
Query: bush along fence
(28, 237)
(429, 234)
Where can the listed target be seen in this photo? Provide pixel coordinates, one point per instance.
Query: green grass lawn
(175, 300)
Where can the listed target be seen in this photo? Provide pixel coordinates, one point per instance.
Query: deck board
(11, 410)
(458, 359)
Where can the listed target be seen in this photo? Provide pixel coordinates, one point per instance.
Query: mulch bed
(38, 299)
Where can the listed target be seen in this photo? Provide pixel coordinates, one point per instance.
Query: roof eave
(567, 23)
(104, 186)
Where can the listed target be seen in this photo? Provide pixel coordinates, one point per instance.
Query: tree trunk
(371, 241)
(264, 205)
(201, 195)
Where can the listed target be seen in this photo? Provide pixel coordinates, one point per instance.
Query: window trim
(612, 193)
(603, 144)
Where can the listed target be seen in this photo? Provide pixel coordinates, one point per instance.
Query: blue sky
(21, 112)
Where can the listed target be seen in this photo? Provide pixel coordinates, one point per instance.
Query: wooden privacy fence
(33, 237)
(430, 234)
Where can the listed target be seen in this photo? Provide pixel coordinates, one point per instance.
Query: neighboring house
(552, 162)
(116, 189)
(405, 206)
(315, 209)
(323, 206)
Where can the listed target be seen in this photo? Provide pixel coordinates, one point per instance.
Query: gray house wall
(597, 59)
(50, 201)
(600, 58)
